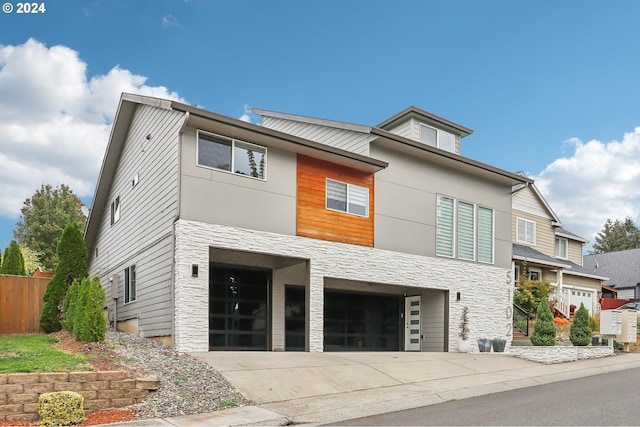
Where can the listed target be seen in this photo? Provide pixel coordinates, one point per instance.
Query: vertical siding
(143, 235)
(350, 140)
(312, 217)
(21, 303)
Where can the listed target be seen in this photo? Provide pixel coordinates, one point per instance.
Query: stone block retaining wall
(102, 390)
(559, 354)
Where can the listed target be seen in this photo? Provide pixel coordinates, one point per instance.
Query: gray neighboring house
(622, 268)
(301, 234)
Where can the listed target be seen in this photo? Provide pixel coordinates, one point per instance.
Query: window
(347, 198)
(231, 155)
(485, 235)
(534, 274)
(444, 226)
(115, 210)
(526, 231)
(561, 247)
(437, 138)
(466, 231)
(466, 225)
(130, 284)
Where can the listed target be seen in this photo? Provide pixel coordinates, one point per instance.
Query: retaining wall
(102, 390)
(559, 354)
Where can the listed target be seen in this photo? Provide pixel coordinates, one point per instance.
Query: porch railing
(562, 302)
(521, 319)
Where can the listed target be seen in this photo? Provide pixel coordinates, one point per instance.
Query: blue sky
(551, 88)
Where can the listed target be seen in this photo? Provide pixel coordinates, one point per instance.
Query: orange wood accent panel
(314, 220)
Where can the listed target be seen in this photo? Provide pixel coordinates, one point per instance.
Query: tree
(43, 218)
(580, 331)
(617, 236)
(13, 262)
(31, 262)
(72, 265)
(544, 330)
(89, 323)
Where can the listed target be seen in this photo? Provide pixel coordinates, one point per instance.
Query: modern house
(622, 268)
(211, 233)
(543, 250)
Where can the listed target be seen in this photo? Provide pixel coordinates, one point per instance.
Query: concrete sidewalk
(319, 388)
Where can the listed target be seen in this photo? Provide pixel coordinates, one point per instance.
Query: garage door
(581, 296)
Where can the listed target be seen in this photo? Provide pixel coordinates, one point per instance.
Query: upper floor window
(231, 155)
(562, 247)
(525, 231)
(465, 225)
(437, 138)
(130, 284)
(115, 210)
(348, 198)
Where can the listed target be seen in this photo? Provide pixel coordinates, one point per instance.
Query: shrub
(13, 261)
(529, 293)
(72, 264)
(594, 323)
(580, 332)
(69, 312)
(89, 323)
(544, 330)
(61, 408)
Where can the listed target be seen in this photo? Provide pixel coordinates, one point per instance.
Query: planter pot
(499, 345)
(464, 346)
(484, 345)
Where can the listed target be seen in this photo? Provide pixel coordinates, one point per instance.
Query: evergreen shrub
(544, 330)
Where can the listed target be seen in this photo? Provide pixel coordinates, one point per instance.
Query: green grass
(35, 353)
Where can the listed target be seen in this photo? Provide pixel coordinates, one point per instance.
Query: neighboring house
(212, 233)
(543, 250)
(622, 268)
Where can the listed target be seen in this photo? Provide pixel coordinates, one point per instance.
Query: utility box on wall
(611, 322)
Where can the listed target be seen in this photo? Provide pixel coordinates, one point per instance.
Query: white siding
(143, 235)
(350, 140)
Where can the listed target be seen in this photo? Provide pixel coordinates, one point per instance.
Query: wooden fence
(21, 303)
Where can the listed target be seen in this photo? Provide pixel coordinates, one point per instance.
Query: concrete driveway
(267, 377)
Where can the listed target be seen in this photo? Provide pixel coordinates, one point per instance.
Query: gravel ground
(187, 386)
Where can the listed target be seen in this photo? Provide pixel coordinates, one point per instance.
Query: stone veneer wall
(559, 354)
(102, 390)
(485, 289)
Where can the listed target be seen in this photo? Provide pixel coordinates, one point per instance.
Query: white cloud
(170, 21)
(54, 120)
(599, 180)
(246, 114)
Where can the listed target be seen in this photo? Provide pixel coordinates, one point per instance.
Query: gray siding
(266, 205)
(411, 129)
(405, 204)
(356, 142)
(143, 235)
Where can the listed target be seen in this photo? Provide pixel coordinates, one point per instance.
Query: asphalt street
(606, 399)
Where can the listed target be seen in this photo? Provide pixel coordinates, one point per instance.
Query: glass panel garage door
(355, 321)
(238, 308)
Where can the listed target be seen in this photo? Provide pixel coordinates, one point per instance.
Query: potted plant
(464, 345)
